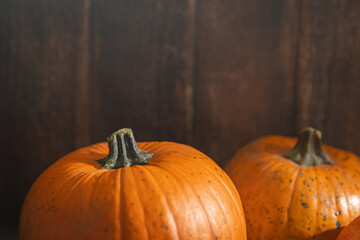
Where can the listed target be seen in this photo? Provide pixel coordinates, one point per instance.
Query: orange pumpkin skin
(351, 231)
(285, 200)
(180, 194)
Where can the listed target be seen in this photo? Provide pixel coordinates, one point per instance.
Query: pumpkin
(351, 231)
(296, 189)
(128, 190)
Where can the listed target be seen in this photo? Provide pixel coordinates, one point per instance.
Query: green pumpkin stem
(123, 151)
(308, 150)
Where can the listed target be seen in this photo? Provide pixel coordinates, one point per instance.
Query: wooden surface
(212, 74)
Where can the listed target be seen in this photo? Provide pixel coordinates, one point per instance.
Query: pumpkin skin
(180, 194)
(286, 200)
(351, 231)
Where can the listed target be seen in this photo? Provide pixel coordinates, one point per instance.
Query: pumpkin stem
(123, 151)
(308, 150)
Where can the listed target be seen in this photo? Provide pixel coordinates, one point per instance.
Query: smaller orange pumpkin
(351, 231)
(296, 189)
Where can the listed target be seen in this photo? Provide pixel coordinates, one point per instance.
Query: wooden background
(212, 74)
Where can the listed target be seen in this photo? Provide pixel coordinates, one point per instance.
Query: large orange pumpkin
(164, 191)
(351, 231)
(307, 192)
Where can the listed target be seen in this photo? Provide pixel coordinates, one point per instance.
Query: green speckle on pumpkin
(304, 205)
(338, 225)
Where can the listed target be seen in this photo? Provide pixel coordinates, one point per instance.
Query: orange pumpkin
(307, 192)
(351, 231)
(164, 191)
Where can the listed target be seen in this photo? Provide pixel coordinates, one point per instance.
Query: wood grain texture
(211, 74)
(329, 71)
(317, 39)
(82, 132)
(9, 56)
(41, 76)
(245, 76)
(142, 68)
(344, 97)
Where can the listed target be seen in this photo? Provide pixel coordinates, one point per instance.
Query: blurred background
(211, 74)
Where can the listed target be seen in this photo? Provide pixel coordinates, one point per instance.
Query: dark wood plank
(329, 71)
(343, 113)
(82, 80)
(142, 69)
(8, 73)
(245, 73)
(8, 232)
(317, 38)
(41, 80)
